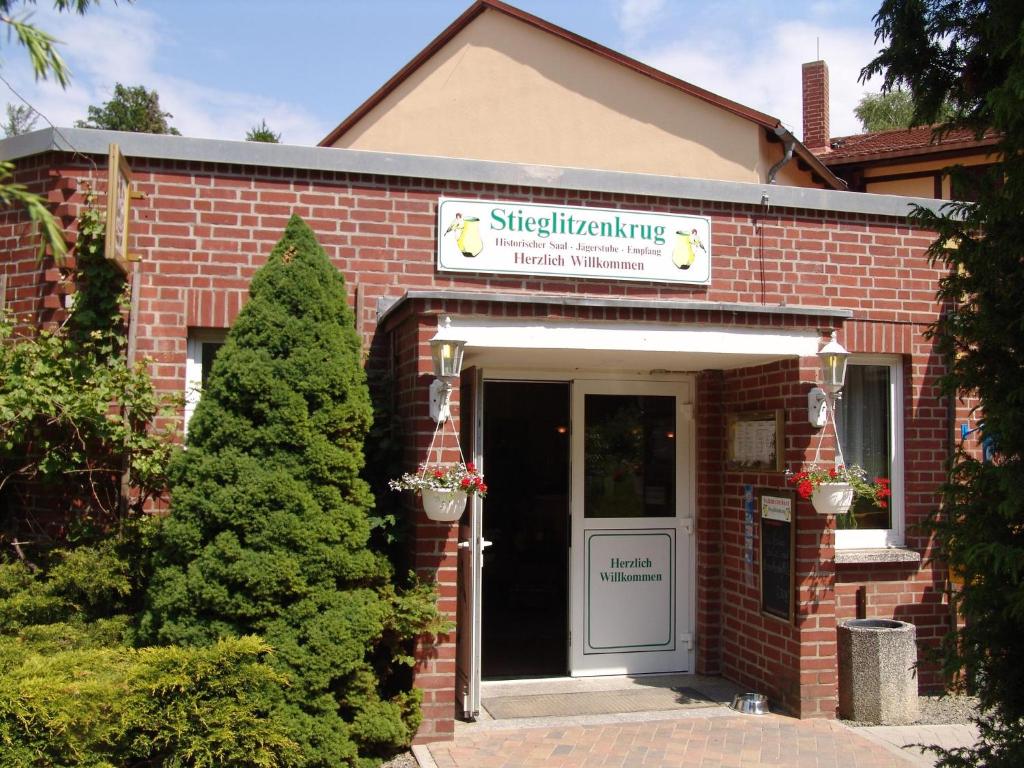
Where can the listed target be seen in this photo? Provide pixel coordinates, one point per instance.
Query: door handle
(484, 544)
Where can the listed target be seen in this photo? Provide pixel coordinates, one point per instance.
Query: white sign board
(630, 600)
(777, 508)
(506, 237)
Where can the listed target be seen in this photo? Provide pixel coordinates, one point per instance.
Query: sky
(222, 66)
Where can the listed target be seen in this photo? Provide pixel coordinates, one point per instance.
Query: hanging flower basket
(833, 490)
(832, 498)
(444, 488)
(444, 506)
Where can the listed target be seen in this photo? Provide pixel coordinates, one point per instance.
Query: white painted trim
(194, 367)
(497, 373)
(893, 537)
(497, 334)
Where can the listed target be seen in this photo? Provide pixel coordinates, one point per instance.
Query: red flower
(438, 473)
(805, 489)
(465, 482)
(832, 473)
(482, 488)
(471, 468)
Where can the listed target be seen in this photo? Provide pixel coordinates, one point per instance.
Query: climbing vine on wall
(84, 439)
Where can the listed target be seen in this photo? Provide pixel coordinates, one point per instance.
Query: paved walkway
(711, 738)
(908, 737)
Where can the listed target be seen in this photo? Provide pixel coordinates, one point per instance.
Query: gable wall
(504, 90)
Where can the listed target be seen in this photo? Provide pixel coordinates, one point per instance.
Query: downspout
(789, 140)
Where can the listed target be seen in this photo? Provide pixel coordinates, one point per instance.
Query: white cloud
(764, 73)
(634, 16)
(120, 44)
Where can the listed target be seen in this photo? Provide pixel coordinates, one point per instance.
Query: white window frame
(893, 537)
(194, 366)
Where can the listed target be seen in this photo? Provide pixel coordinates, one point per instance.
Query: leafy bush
(73, 691)
(74, 417)
(269, 530)
(201, 707)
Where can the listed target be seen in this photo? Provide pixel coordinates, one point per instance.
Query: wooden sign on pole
(119, 200)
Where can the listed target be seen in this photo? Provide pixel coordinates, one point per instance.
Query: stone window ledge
(877, 555)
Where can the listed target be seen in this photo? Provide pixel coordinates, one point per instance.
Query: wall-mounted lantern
(446, 350)
(833, 357)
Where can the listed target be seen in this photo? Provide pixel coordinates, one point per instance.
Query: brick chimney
(815, 91)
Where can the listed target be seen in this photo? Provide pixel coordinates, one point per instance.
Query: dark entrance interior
(525, 599)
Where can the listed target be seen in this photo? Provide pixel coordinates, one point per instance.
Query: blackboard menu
(778, 537)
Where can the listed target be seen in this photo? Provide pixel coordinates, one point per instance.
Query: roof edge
(89, 141)
(951, 149)
(564, 300)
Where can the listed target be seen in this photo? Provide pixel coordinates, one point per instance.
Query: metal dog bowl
(750, 703)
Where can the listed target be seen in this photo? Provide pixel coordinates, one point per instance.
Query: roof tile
(867, 145)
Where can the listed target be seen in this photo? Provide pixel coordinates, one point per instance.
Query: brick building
(639, 353)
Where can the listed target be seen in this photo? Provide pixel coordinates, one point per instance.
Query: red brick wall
(710, 427)
(204, 229)
(435, 545)
(765, 652)
(36, 290)
(905, 592)
(912, 592)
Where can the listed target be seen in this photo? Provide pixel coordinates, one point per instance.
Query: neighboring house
(908, 161)
(642, 312)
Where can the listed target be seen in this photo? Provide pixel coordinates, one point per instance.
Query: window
(203, 345)
(629, 456)
(869, 420)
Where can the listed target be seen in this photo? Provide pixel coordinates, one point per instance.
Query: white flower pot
(832, 498)
(444, 506)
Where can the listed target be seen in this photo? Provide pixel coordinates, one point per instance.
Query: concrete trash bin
(877, 674)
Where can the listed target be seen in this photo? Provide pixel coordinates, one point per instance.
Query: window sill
(879, 555)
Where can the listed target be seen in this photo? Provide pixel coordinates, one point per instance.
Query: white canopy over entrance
(637, 346)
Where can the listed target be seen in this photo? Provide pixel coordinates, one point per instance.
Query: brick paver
(695, 742)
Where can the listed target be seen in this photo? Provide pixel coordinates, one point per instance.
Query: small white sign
(507, 237)
(630, 591)
(777, 508)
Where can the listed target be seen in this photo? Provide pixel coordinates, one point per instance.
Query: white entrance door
(632, 527)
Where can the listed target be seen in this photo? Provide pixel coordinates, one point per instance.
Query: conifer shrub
(268, 531)
(103, 706)
(74, 692)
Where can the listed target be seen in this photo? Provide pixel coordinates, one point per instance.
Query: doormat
(595, 703)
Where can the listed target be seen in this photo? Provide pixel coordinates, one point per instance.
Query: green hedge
(208, 706)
